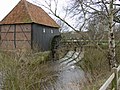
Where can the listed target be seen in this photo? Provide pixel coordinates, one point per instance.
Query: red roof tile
(25, 12)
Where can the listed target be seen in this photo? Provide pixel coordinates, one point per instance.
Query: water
(70, 76)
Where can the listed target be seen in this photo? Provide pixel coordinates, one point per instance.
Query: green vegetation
(25, 71)
(96, 64)
(31, 71)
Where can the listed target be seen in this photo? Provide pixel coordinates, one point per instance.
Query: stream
(70, 76)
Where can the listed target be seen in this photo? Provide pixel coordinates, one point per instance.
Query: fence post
(114, 82)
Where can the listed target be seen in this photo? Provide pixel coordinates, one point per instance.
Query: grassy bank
(25, 71)
(95, 63)
(30, 71)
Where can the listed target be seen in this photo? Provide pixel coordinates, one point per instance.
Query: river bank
(33, 71)
(95, 63)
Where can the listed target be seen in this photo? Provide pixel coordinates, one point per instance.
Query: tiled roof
(25, 12)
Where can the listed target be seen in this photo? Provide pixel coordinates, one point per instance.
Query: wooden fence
(114, 79)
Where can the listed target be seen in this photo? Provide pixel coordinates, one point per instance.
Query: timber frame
(9, 35)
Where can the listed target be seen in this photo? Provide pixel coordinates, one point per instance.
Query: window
(52, 31)
(43, 30)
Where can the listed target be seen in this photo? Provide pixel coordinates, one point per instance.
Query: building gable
(25, 12)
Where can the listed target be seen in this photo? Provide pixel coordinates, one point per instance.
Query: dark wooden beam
(16, 40)
(6, 33)
(16, 32)
(15, 36)
(31, 36)
(0, 34)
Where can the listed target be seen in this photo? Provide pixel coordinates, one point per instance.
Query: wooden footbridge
(114, 79)
(71, 44)
(59, 41)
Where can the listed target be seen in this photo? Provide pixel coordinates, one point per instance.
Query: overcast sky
(7, 5)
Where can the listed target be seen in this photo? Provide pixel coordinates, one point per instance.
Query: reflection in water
(70, 79)
(70, 76)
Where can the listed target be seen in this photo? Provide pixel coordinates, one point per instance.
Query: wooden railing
(114, 79)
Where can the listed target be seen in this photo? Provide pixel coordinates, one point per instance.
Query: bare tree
(108, 9)
(96, 29)
(84, 10)
(111, 53)
(64, 27)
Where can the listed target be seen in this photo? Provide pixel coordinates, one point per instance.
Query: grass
(25, 71)
(30, 71)
(96, 64)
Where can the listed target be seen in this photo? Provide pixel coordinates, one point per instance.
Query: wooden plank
(115, 84)
(114, 77)
(107, 83)
(118, 69)
(118, 81)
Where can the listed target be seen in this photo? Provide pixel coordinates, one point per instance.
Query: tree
(84, 10)
(96, 29)
(64, 27)
(111, 40)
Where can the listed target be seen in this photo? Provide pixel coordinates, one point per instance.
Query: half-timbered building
(27, 26)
